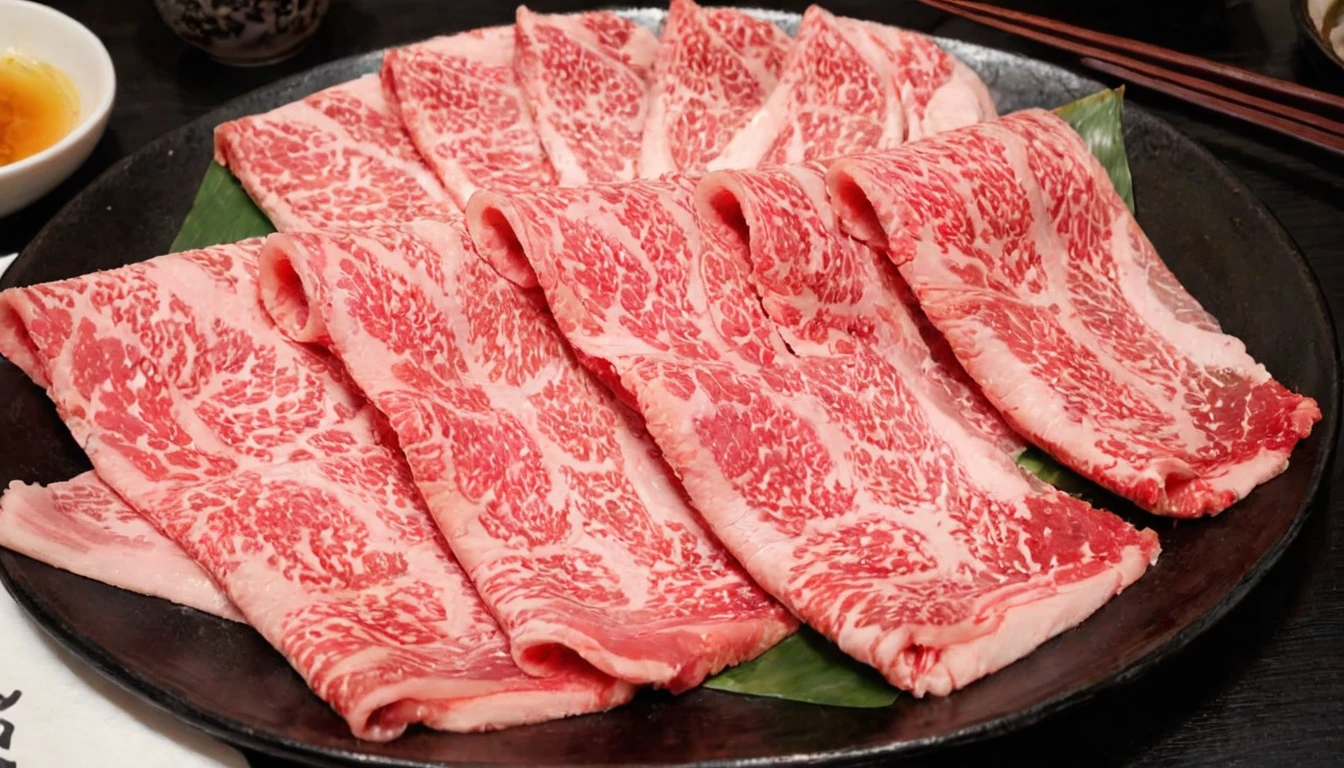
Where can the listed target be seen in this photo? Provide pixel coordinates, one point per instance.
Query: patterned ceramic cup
(244, 32)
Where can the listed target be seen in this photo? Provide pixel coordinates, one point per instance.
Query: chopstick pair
(1143, 64)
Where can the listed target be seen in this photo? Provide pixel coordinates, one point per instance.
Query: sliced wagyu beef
(843, 488)
(850, 86)
(938, 91)
(82, 526)
(257, 457)
(1022, 253)
(548, 491)
(586, 78)
(551, 494)
(827, 293)
(714, 69)
(835, 95)
(463, 107)
(339, 157)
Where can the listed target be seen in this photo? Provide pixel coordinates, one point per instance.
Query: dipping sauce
(38, 106)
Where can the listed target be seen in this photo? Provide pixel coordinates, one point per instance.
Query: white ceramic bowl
(52, 37)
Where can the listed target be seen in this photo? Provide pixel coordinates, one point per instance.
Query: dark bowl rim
(1308, 29)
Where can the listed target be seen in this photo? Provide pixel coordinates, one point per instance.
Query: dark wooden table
(1263, 687)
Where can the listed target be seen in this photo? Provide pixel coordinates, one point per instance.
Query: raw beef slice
(852, 86)
(551, 494)
(82, 526)
(339, 157)
(1022, 253)
(938, 92)
(465, 111)
(258, 458)
(867, 508)
(586, 79)
(714, 69)
(827, 292)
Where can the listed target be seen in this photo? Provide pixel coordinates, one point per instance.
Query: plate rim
(279, 745)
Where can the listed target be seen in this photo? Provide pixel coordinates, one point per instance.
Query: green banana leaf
(805, 666)
(221, 213)
(1099, 120)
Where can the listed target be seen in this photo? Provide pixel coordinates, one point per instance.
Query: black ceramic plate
(1223, 245)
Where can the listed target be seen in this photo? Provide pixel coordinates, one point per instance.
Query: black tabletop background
(1266, 685)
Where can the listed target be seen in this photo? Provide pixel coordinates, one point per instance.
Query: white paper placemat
(57, 711)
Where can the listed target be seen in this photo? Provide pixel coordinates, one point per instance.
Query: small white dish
(50, 36)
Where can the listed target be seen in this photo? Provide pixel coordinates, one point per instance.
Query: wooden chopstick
(1307, 133)
(1315, 129)
(1196, 63)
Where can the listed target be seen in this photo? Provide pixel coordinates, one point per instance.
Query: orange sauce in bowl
(38, 106)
